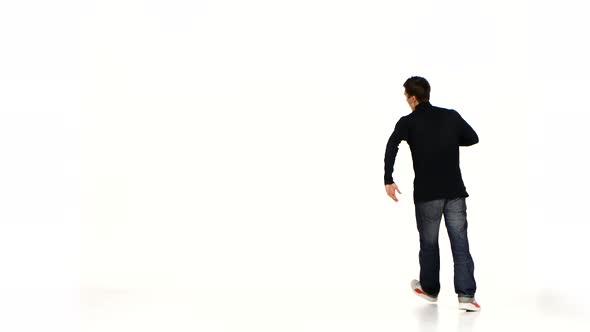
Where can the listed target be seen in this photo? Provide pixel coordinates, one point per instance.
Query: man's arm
(399, 133)
(467, 136)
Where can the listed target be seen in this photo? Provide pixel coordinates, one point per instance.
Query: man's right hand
(391, 189)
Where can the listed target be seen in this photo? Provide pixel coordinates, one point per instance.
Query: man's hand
(390, 189)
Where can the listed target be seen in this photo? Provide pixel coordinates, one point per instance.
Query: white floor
(394, 309)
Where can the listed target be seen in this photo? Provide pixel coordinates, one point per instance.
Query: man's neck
(421, 105)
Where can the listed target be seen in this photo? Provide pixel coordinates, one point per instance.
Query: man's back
(434, 135)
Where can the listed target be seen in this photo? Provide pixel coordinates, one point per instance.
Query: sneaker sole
(469, 306)
(423, 295)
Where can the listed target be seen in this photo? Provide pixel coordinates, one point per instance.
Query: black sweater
(434, 135)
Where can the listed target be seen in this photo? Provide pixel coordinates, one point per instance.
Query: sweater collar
(422, 106)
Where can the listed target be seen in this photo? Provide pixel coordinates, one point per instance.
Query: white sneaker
(469, 304)
(418, 291)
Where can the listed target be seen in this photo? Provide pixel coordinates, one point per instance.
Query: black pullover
(434, 135)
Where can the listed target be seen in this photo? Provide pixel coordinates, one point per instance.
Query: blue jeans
(428, 217)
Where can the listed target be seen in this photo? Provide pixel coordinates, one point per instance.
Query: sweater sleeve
(467, 136)
(399, 133)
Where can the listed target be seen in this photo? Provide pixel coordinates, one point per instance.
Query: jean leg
(428, 217)
(455, 212)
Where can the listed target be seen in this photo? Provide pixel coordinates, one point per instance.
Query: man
(434, 135)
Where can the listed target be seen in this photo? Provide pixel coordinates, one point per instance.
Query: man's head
(416, 91)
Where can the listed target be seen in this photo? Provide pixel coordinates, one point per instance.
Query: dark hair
(419, 87)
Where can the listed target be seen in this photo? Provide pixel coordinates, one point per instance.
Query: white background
(232, 152)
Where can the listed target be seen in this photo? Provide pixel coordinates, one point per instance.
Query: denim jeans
(428, 217)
